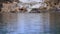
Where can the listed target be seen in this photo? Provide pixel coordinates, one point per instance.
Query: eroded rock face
(29, 5)
(7, 7)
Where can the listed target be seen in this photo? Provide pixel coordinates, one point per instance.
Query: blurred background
(29, 16)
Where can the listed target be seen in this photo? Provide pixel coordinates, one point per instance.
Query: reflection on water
(25, 23)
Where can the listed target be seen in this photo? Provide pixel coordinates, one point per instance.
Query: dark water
(27, 23)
